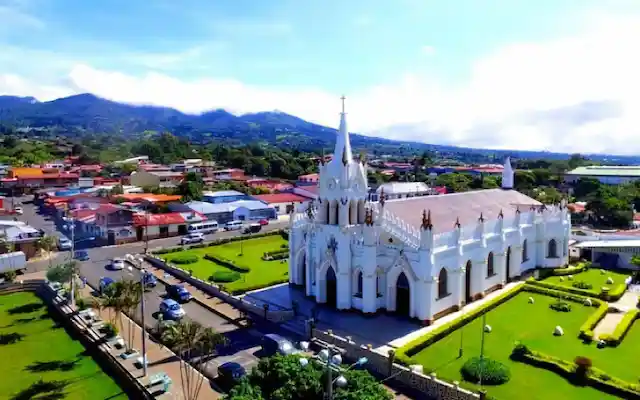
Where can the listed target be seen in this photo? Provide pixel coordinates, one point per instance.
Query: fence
(379, 365)
(263, 311)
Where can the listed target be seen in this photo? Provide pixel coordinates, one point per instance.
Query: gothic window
(359, 285)
(490, 269)
(442, 283)
(553, 249)
(525, 257)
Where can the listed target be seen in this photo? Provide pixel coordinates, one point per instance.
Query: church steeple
(343, 144)
(507, 175)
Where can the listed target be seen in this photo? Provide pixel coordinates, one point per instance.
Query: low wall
(381, 366)
(214, 290)
(85, 334)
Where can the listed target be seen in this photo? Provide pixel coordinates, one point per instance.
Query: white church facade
(423, 257)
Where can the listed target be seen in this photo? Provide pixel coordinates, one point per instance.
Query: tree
(455, 182)
(130, 295)
(62, 272)
(191, 187)
(117, 189)
(46, 244)
(194, 344)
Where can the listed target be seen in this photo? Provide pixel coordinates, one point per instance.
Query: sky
(557, 75)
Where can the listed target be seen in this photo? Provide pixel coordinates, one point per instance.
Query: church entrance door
(468, 298)
(403, 295)
(332, 288)
(508, 264)
(304, 271)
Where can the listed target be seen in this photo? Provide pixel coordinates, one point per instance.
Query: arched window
(442, 284)
(553, 249)
(525, 257)
(490, 270)
(359, 286)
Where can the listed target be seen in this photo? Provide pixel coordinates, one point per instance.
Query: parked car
(149, 279)
(252, 228)
(230, 374)
(263, 222)
(117, 264)
(170, 309)
(192, 238)
(105, 282)
(273, 343)
(81, 255)
(179, 292)
(233, 225)
(64, 243)
(18, 210)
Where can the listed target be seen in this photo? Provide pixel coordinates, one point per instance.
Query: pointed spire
(368, 217)
(457, 224)
(382, 197)
(507, 175)
(481, 219)
(343, 143)
(517, 210)
(426, 220)
(500, 214)
(322, 157)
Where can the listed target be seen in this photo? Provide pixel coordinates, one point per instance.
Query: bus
(204, 227)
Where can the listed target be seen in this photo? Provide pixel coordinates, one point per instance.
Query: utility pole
(73, 251)
(484, 320)
(144, 329)
(329, 377)
(146, 229)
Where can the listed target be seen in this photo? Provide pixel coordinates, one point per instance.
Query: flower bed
(621, 329)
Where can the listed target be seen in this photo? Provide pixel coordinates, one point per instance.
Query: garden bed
(516, 320)
(41, 360)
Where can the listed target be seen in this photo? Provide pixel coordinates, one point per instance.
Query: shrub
(9, 276)
(582, 285)
(572, 270)
(109, 329)
(520, 350)
(586, 330)
(224, 276)
(583, 366)
(185, 259)
(226, 263)
(236, 292)
(82, 304)
(490, 372)
(561, 306)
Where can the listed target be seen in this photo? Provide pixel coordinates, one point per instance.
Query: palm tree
(193, 343)
(130, 296)
(46, 243)
(107, 301)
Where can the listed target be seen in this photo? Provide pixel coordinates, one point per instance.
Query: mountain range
(78, 114)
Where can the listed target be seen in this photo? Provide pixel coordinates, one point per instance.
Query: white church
(423, 257)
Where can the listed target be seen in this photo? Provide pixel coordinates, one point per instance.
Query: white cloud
(13, 17)
(578, 93)
(428, 50)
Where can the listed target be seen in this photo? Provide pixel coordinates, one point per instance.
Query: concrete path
(399, 342)
(608, 324)
(628, 301)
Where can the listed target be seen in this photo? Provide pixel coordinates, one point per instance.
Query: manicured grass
(261, 273)
(45, 351)
(592, 276)
(532, 324)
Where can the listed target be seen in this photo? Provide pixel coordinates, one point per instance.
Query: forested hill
(77, 115)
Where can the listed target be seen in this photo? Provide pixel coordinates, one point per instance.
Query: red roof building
(276, 198)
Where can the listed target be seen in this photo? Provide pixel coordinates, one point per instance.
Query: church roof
(467, 206)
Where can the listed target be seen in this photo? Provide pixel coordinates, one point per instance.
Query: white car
(117, 264)
(18, 210)
(192, 238)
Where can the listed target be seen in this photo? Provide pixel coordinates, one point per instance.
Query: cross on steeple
(343, 99)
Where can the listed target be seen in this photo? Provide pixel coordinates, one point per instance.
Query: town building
(423, 257)
(308, 179)
(283, 203)
(19, 236)
(224, 196)
(154, 226)
(133, 160)
(27, 180)
(398, 190)
(607, 174)
(155, 178)
(228, 174)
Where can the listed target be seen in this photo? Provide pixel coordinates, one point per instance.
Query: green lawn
(593, 276)
(44, 350)
(533, 325)
(262, 273)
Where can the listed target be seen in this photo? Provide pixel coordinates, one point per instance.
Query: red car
(263, 222)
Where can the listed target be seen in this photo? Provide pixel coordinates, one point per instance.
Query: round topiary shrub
(184, 259)
(224, 276)
(561, 306)
(491, 371)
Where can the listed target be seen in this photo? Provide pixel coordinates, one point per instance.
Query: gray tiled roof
(466, 206)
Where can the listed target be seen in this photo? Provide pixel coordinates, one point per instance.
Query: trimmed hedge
(621, 329)
(595, 378)
(220, 241)
(571, 270)
(561, 306)
(226, 263)
(185, 259)
(224, 276)
(611, 295)
(586, 330)
(256, 287)
(491, 372)
(404, 353)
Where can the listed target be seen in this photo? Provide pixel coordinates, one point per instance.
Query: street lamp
(333, 358)
(144, 330)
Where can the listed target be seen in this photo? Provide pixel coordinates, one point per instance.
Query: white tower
(507, 175)
(343, 183)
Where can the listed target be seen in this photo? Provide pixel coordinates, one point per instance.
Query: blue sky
(289, 52)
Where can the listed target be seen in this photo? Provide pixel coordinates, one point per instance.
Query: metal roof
(223, 193)
(606, 170)
(600, 244)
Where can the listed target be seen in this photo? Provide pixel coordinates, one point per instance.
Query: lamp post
(144, 330)
(333, 358)
(73, 252)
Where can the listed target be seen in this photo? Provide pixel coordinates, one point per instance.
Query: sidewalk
(221, 308)
(160, 359)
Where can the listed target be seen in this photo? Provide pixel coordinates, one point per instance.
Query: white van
(233, 225)
(204, 227)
